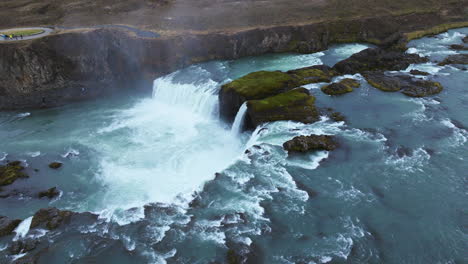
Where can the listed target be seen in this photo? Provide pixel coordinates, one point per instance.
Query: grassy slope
(202, 15)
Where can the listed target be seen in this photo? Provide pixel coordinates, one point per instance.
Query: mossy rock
(50, 218)
(55, 165)
(423, 89)
(418, 72)
(11, 172)
(303, 144)
(253, 86)
(337, 117)
(351, 83)
(50, 193)
(336, 89)
(295, 105)
(409, 86)
(314, 74)
(258, 85)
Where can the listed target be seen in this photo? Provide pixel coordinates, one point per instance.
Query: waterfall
(23, 228)
(199, 98)
(239, 120)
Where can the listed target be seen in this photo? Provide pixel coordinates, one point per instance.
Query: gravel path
(46, 32)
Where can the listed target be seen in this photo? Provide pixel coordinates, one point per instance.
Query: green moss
(55, 165)
(312, 75)
(435, 30)
(11, 172)
(351, 83)
(282, 100)
(258, 85)
(381, 86)
(336, 89)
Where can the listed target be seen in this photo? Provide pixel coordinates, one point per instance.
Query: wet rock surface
(10, 172)
(342, 87)
(7, 225)
(374, 59)
(418, 72)
(296, 105)
(303, 144)
(455, 59)
(458, 47)
(409, 86)
(55, 165)
(50, 193)
(313, 74)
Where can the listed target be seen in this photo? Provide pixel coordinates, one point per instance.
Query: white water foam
(167, 146)
(23, 228)
(460, 135)
(34, 154)
(3, 156)
(70, 153)
(239, 120)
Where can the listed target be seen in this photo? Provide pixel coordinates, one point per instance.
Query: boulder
(409, 86)
(373, 59)
(458, 47)
(345, 86)
(50, 193)
(22, 246)
(50, 218)
(314, 74)
(337, 117)
(253, 86)
(55, 165)
(7, 225)
(310, 143)
(418, 72)
(465, 39)
(455, 59)
(296, 105)
(11, 172)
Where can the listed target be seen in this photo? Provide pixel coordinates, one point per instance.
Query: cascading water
(239, 120)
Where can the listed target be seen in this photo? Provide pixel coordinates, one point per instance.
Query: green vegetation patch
(288, 99)
(312, 75)
(28, 32)
(258, 85)
(11, 172)
(435, 30)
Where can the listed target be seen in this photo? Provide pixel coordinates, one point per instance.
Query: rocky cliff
(81, 64)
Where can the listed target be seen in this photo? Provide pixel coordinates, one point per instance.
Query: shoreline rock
(455, 59)
(407, 85)
(342, 87)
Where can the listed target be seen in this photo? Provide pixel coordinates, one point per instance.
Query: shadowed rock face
(82, 64)
(7, 225)
(455, 59)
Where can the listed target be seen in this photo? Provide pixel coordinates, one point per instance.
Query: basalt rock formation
(374, 59)
(7, 225)
(76, 64)
(409, 86)
(455, 59)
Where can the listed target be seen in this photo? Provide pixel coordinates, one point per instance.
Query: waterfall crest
(239, 120)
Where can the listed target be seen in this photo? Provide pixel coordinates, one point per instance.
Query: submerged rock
(22, 246)
(458, 47)
(345, 86)
(296, 105)
(455, 59)
(253, 86)
(310, 143)
(337, 117)
(7, 225)
(314, 74)
(55, 165)
(50, 193)
(11, 172)
(418, 72)
(373, 59)
(406, 84)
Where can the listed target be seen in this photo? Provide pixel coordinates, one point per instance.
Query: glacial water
(395, 191)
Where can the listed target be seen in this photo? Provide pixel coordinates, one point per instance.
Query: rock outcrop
(345, 86)
(313, 74)
(50, 193)
(303, 144)
(409, 86)
(253, 86)
(55, 165)
(7, 225)
(296, 105)
(418, 72)
(375, 59)
(11, 172)
(455, 59)
(458, 47)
